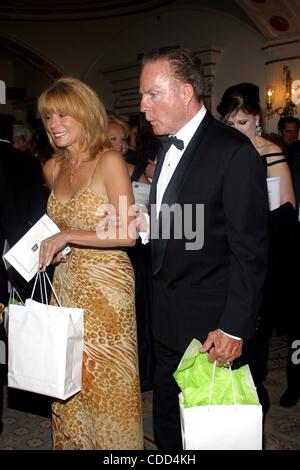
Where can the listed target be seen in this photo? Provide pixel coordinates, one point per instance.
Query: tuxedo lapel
(174, 187)
(159, 163)
(152, 200)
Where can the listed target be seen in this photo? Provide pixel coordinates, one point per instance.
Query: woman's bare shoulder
(48, 169)
(109, 158)
(268, 147)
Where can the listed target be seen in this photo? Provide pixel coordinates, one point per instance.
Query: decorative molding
(282, 59)
(125, 81)
(276, 50)
(274, 18)
(209, 57)
(62, 10)
(31, 57)
(125, 85)
(285, 43)
(279, 23)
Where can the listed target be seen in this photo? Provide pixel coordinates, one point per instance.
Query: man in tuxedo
(22, 196)
(207, 287)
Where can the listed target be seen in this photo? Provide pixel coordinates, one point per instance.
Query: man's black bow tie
(168, 141)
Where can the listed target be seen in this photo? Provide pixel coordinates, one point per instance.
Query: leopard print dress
(106, 414)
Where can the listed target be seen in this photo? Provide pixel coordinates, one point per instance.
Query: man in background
(22, 202)
(22, 137)
(288, 129)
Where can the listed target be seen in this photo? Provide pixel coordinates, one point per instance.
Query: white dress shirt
(173, 155)
(170, 163)
(172, 158)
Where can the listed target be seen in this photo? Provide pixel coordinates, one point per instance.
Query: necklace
(73, 171)
(72, 174)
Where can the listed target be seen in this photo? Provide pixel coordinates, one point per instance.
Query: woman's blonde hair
(70, 96)
(112, 118)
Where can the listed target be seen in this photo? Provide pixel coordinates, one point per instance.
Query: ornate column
(209, 57)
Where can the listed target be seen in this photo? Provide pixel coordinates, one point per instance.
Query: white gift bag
(45, 348)
(221, 427)
(14, 297)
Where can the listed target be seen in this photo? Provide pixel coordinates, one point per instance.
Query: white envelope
(141, 192)
(274, 192)
(24, 255)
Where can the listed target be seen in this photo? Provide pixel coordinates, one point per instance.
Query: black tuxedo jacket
(23, 201)
(219, 285)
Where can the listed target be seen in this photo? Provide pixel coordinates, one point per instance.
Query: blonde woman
(84, 177)
(118, 133)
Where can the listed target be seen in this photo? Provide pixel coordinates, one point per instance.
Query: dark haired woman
(240, 108)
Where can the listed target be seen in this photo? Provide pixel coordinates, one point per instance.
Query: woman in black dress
(240, 108)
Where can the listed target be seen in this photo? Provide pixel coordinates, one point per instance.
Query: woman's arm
(286, 187)
(112, 170)
(282, 170)
(143, 179)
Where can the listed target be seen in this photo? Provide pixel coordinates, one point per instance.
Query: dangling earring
(258, 129)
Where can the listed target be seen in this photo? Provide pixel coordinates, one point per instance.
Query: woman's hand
(142, 223)
(59, 258)
(49, 249)
(150, 168)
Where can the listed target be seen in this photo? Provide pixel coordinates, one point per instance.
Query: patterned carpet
(282, 425)
(24, 430)
(27, 429)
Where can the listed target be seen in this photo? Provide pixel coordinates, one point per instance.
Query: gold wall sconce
(289, 108)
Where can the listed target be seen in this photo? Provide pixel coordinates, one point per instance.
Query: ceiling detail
(279, 23)
(8, 47)
(274, 18)
(60, 10)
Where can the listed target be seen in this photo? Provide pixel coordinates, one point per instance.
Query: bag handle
(44, 277)
(212, 383)
(13, 292)
(52, 288)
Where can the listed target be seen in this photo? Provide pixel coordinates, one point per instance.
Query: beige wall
(91, 49)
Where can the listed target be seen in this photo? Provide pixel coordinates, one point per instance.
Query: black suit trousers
(166, 419)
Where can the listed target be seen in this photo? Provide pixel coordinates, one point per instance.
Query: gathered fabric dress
(106, 414)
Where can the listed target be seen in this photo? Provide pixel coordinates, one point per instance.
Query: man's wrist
(230, 336)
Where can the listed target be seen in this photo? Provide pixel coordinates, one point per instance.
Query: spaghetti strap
(93, 172)
(273, 154)
(283, 160)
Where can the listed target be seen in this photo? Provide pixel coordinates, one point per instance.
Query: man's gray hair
(22, 130)
(185, 64)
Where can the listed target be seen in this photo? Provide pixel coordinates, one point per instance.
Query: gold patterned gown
(106, 414)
